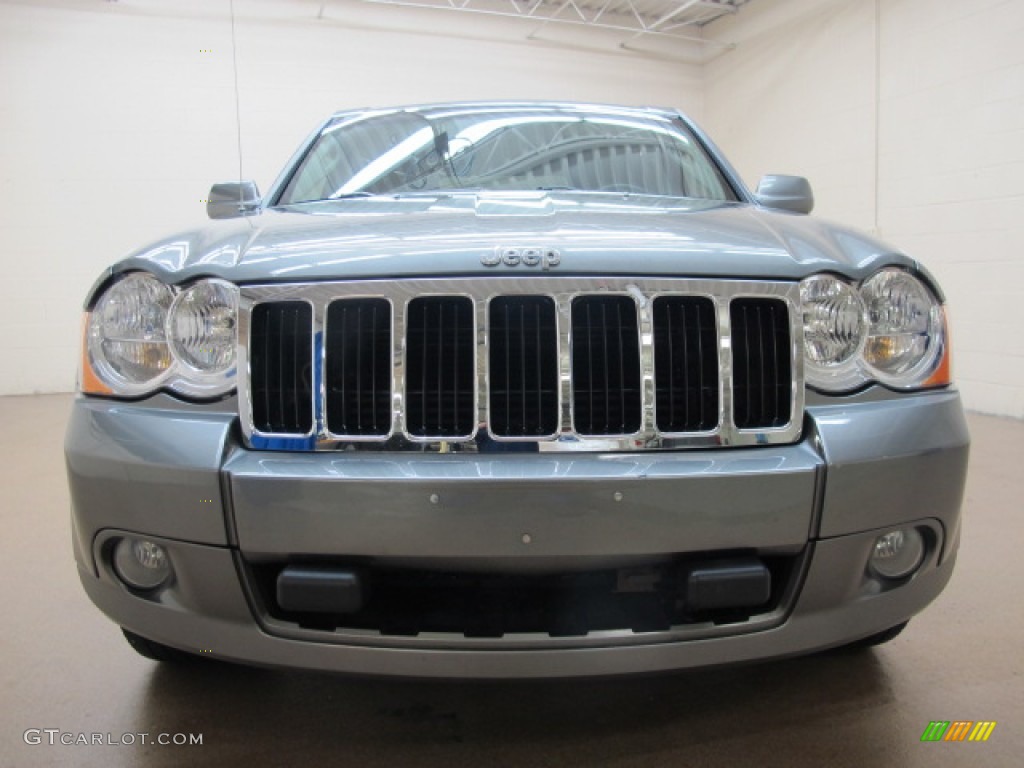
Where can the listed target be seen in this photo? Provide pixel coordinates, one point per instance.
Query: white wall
(908, 116)
(114, 120)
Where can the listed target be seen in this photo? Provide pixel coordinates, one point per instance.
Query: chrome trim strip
(726, 428)
(562, 290)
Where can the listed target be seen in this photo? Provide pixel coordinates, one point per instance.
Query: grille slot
(358, 366)
(685, 364)
(605, 366)
(762, 379)
(523, 366)
(440, 367)
(281, 367)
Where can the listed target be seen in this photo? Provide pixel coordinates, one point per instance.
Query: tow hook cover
(740, 583)
(308, 588)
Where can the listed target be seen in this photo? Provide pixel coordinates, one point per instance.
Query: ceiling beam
(545, 12)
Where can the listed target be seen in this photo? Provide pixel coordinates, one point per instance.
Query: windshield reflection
(504, 148)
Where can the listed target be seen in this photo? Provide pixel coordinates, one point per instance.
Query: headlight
(892, 330)
(201, 329)
(834, 325)
(143, 334)
(127, 346)
(905, 333)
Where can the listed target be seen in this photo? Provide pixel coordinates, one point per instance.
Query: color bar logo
(958, 730)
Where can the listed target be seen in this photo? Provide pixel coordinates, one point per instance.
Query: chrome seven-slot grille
(568, 363)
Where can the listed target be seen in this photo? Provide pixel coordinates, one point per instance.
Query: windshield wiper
(350, 195)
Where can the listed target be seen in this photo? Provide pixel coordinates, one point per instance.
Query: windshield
(504, 148)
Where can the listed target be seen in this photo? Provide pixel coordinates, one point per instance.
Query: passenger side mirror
(231, 199)
(787, 193)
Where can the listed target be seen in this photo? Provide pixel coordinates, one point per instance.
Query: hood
(447, 235)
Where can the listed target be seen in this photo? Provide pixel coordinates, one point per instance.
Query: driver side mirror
(231, 199)
(787, 193)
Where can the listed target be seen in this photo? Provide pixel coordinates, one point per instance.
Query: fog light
(141, 563)
(898, 553)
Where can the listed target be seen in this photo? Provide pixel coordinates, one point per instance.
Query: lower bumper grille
(564, 363)
(655, 598)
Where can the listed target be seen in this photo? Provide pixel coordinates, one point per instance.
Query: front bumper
(180, 476)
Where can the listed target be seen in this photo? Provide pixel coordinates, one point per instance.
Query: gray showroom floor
(64, 666)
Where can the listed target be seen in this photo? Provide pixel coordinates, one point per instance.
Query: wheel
(877, 639)
(154, 650)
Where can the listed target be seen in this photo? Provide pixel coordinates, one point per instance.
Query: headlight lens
(143, 334)
(904, 327)
(127, 344)
(834, 330)
(202, 330)
(891, 330)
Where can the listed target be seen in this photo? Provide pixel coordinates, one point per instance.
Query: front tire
(154, 650)
(877, 639)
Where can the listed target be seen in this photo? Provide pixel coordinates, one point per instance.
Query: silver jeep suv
(514, 390)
